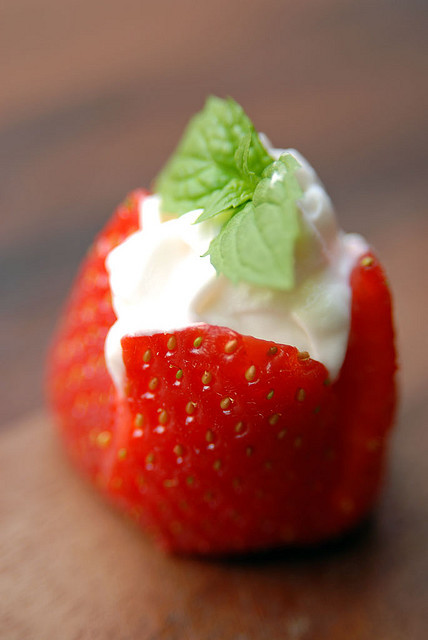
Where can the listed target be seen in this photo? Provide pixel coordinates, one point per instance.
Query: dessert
(224, 368)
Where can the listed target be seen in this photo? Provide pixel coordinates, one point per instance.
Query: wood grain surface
(93, 97)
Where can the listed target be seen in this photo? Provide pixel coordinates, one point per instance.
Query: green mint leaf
(217, 164)
(242, 155)
(233, 195)
(257, 245)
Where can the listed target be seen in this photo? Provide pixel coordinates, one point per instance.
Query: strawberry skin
(225, 443)
(79, 388)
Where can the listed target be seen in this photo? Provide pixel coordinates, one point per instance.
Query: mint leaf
(239, 190)
(257, 245)
(217, 164)
(242, 157)
(233, 195)
(221, 166)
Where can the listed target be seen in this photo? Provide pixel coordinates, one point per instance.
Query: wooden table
(93, 98)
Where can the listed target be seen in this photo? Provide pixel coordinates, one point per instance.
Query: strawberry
(224, 442)
(79, 387)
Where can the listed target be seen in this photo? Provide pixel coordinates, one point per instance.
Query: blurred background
(94, 96)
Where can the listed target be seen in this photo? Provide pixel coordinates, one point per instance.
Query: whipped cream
(160, 282)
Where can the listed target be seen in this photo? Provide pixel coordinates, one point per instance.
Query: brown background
(93, 97)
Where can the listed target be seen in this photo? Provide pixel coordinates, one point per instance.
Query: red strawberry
(226, 442)
(79, 387)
